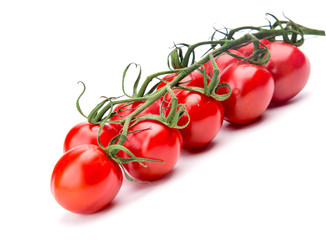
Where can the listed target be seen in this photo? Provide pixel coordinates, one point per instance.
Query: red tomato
(252, 90)
(290, 69)
(86, 133)
(186, 81)
(223, 61)
(157, 142)
(206, 118)
(249, 49)
(84, 180)
(125, 110)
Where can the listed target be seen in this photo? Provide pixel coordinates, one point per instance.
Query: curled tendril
(78, 99)
(177, 60)
(113, 149)
(260, 55)
(179, 113)
(225, 33)
(289, 28)
(171, 120)
(136, 83)
(222, 97)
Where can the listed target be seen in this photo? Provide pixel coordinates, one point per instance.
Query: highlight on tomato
(252, 90)
(152, 140)
(290, 69)
(86, 133)
(85, 180)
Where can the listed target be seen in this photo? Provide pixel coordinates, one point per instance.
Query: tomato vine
(182, 63)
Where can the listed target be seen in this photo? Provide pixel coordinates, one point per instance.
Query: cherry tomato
(206, 118)
(86, 133)
(206, 114)
(290, 69)
(125, 110)
(84, 180)
(223, 61)
(252, 90)
(157, 142)
(249, 49)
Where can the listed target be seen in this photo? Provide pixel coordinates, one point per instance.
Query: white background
(263, 181)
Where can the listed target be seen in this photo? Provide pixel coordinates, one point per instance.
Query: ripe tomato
(84, 180)
(222, 61)
(249, 49)
(125, 110)
(206, 118)
(290, 69)
(252, 90)
(157, 142)
(86, 133)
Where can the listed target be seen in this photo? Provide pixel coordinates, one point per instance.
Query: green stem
(214, 80)
(174, 106)
(144, 86)
(310, 31)
(99, 116)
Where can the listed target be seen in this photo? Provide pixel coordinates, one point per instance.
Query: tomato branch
(180, 62)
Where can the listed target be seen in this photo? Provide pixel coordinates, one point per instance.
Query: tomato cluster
(86, 178)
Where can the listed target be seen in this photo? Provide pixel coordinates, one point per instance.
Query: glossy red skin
(290, 69)
(86, 133)
(186, 81)
(252, 90)
(222, 62)
(125, 110)
(249, 49)
(159, 142)
(84, 180)
(206, 118)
